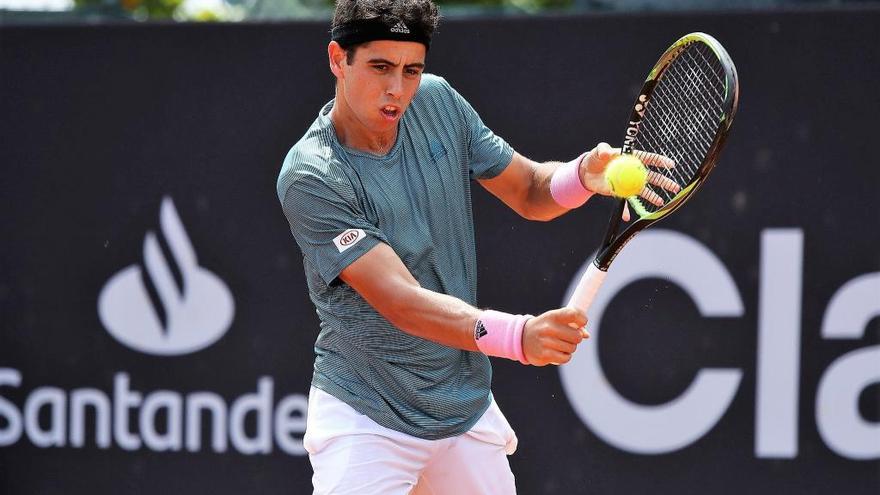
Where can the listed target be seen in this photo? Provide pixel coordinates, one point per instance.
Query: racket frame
(614, 242)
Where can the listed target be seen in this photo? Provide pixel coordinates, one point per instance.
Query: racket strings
(682, 118)
(689, 113)
(685, 118)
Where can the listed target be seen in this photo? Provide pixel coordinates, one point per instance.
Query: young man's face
(380, 83)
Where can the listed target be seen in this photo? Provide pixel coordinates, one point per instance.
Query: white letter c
(667, 427)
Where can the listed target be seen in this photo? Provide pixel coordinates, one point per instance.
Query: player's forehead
(397, 52)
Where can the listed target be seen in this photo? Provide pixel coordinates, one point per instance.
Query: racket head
(684, 112)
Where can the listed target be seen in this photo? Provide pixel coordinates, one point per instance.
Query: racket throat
(602, 260)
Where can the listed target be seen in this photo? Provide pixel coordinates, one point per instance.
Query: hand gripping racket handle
(587, 287)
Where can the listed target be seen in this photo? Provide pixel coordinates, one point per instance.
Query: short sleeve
(489, 154)
(326, 223)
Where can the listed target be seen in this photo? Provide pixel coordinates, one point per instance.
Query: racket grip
(587, 287)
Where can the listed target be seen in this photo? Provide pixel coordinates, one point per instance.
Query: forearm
(539, 191)
(380, 277)
(551, 338)
(540, 204)
(433, 316)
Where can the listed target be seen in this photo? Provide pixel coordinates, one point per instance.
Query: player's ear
(336, 55)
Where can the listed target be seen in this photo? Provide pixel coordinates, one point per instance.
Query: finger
(567, 316)
(605, 152)
(652, 197)
(625, 215)
(567, 333)
(663, 182)
(597, 159)
(561, 345)
(654, 159)
(585, 334)
(557, 358)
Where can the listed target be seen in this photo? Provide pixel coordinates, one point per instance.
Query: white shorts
(352, 454)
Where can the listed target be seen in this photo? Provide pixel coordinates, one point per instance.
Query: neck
(353, 134)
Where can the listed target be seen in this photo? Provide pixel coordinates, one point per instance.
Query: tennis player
(378, 197)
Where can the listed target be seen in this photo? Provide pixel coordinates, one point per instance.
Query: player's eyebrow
(417, 65)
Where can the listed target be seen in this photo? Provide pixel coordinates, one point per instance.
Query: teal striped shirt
(341, 202)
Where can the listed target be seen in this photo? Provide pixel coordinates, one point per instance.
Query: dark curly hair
(421, 14)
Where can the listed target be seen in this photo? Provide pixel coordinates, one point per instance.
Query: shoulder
(434, 88)
(312, 160)
(433, 83)
(437, 97)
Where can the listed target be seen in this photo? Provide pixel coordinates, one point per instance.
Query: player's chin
(385, 125)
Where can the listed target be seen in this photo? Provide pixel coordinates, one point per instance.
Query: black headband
(364, 30)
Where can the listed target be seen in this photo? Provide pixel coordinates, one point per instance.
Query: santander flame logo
(194, 312)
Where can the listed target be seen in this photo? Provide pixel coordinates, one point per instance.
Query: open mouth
(390, 112)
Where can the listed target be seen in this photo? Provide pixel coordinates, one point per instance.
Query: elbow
(542, 218)
(538, 214)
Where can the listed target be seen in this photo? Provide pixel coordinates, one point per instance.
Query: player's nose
(394, 87)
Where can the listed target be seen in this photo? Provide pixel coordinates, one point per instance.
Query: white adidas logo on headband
(400, 27)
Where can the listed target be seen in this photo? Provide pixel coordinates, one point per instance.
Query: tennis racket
(684, 113)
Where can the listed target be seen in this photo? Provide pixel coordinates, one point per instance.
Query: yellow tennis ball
(626, 175)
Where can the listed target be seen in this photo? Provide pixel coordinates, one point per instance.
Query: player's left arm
(524, 185)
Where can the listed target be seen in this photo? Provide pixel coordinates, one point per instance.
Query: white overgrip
(587, 287)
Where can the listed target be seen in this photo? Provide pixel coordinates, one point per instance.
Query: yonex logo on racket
(348, 239)
(151, 309)
(632, 131)
(641, 105)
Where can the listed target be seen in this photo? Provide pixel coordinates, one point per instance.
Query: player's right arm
(338, 243)
(381, 278)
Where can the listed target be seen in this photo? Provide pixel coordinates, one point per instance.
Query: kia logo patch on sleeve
(348, 239)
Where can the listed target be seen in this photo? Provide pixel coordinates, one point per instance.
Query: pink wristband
(500, 334)
(565, 185)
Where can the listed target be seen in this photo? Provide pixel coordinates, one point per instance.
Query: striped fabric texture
(340, 203)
